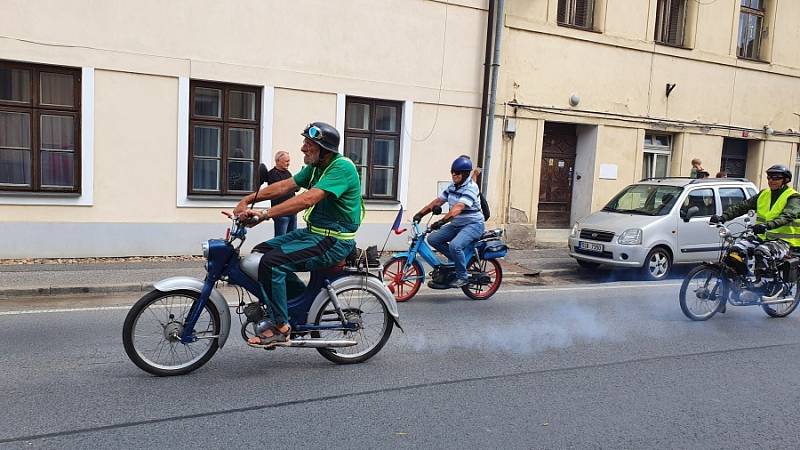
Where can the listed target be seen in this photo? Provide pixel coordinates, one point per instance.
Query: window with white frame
(372, 140)
(224, 136)
(671, 22)
(576, 13)
(657, 155)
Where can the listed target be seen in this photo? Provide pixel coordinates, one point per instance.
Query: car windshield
(645, 199)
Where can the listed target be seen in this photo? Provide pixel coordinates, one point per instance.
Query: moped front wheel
(703, 293)
(403, 284)
(485, 277)
(363, 307)
(152, 330)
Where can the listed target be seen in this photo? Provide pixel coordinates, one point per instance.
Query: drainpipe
(487, 62)
(493, 94)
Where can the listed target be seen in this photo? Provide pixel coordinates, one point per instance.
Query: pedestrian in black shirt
(278, 173)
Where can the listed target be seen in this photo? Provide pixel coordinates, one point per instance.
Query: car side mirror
(262, 174)
(436, 210)
(691, 212)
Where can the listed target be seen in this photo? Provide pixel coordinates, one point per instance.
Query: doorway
(555, 181)
(734, 157)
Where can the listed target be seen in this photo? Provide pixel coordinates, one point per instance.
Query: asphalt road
(614, 365)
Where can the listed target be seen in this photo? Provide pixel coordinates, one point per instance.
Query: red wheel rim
(403, 285)
(485, 290)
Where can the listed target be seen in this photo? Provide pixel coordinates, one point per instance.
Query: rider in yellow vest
(777, 208)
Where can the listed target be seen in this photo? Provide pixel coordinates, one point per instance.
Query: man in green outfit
(334, 210)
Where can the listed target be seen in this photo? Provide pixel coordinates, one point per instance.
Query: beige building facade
(126, 127)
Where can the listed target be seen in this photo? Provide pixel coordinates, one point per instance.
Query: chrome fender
(193, 284)
(356, 281)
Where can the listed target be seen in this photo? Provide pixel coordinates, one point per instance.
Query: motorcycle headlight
(723, 233)
(575, 230)
(204, 246)
(632, 236)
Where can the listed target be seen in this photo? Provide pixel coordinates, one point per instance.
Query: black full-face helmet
(323, 134)
(780, 169)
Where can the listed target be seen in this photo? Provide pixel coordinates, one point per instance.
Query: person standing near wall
(697, 169)
(284, 224)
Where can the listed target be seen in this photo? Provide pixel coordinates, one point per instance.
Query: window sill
(754, 60)
(679, 46)
(577, 27)
(382, 205)
(44, 198)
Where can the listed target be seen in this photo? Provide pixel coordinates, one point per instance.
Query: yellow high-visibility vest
(764, 213)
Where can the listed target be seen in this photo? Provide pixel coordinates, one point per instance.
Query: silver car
(645, 225)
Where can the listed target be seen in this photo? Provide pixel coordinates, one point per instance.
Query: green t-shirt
(340, 210)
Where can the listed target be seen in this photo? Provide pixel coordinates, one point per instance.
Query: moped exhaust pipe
(775, 299)
(317, 343)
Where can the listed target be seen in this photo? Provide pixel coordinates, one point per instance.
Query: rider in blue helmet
(463, 223)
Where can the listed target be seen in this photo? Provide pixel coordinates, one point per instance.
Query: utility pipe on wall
(498, 32)
(487, 67)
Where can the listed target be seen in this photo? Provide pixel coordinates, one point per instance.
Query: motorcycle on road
(345, 312)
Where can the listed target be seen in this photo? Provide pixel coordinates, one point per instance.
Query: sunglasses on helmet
(314, 132)
(774, 177)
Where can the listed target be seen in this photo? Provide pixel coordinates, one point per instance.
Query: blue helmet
(461, 164)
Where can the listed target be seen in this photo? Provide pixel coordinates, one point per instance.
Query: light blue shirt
(467, 194)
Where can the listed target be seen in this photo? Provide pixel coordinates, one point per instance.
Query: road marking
(444, 293)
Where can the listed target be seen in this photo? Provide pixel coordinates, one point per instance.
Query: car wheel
(657, 265)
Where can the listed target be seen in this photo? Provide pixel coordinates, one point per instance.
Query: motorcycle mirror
(436, 210)
(751, 213)
(691, 212)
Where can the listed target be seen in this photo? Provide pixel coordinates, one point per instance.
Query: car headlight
(574, 232)
(632, 236)
(204, 246)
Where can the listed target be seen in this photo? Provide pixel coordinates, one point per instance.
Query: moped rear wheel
(363, 306)
(152, 330)
(403, 284)
(481, 287)
(783, 309)
(703, 293)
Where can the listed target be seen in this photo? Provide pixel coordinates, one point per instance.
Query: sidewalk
(76, 277)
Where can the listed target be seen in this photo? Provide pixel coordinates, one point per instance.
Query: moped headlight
(723, 233)
(204, 246)
(574, 232)
(632, 236)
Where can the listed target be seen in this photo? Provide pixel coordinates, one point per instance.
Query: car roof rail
(665, 178)
(719, 180)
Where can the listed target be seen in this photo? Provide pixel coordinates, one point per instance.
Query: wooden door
(555, 181)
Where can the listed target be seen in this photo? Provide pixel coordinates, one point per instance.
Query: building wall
(620, 75)
(428, 56)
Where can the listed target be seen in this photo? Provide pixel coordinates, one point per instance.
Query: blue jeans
(451, 240)
(285, 224)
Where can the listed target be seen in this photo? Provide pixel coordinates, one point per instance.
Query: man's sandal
(278, 337)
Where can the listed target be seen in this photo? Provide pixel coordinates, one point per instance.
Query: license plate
(592, 247)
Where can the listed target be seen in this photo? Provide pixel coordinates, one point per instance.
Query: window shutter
(583, 13)
(677, 20)
(562, 11)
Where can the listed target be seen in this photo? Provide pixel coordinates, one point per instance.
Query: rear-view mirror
(436, 210)
(262, 174)
(691, 212)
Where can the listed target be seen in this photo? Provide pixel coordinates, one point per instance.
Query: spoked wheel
(784, 309)
(483, 286)
(703, 293)
(403, 284)
(152, 330)
(362, 306)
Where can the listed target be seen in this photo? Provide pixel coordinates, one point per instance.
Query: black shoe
(433, 285)
(459, 282)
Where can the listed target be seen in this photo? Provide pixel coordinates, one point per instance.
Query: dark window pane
(15, 167)
(15, 130)
(242, 105)
(57, 89)
(730, 196)
(207, 141)
(356, 149)
(357, 116)
(386, 119)
(382, 180)
(384, 152)
(240, 143)
(58, 169)
(208, 102)
(15, 85)
(240, 176)
(206, 174)
(57, 133)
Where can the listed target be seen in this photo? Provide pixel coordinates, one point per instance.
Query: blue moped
(404, 273)
(345, 312)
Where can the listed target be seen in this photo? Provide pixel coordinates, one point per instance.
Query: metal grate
(595, 235)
